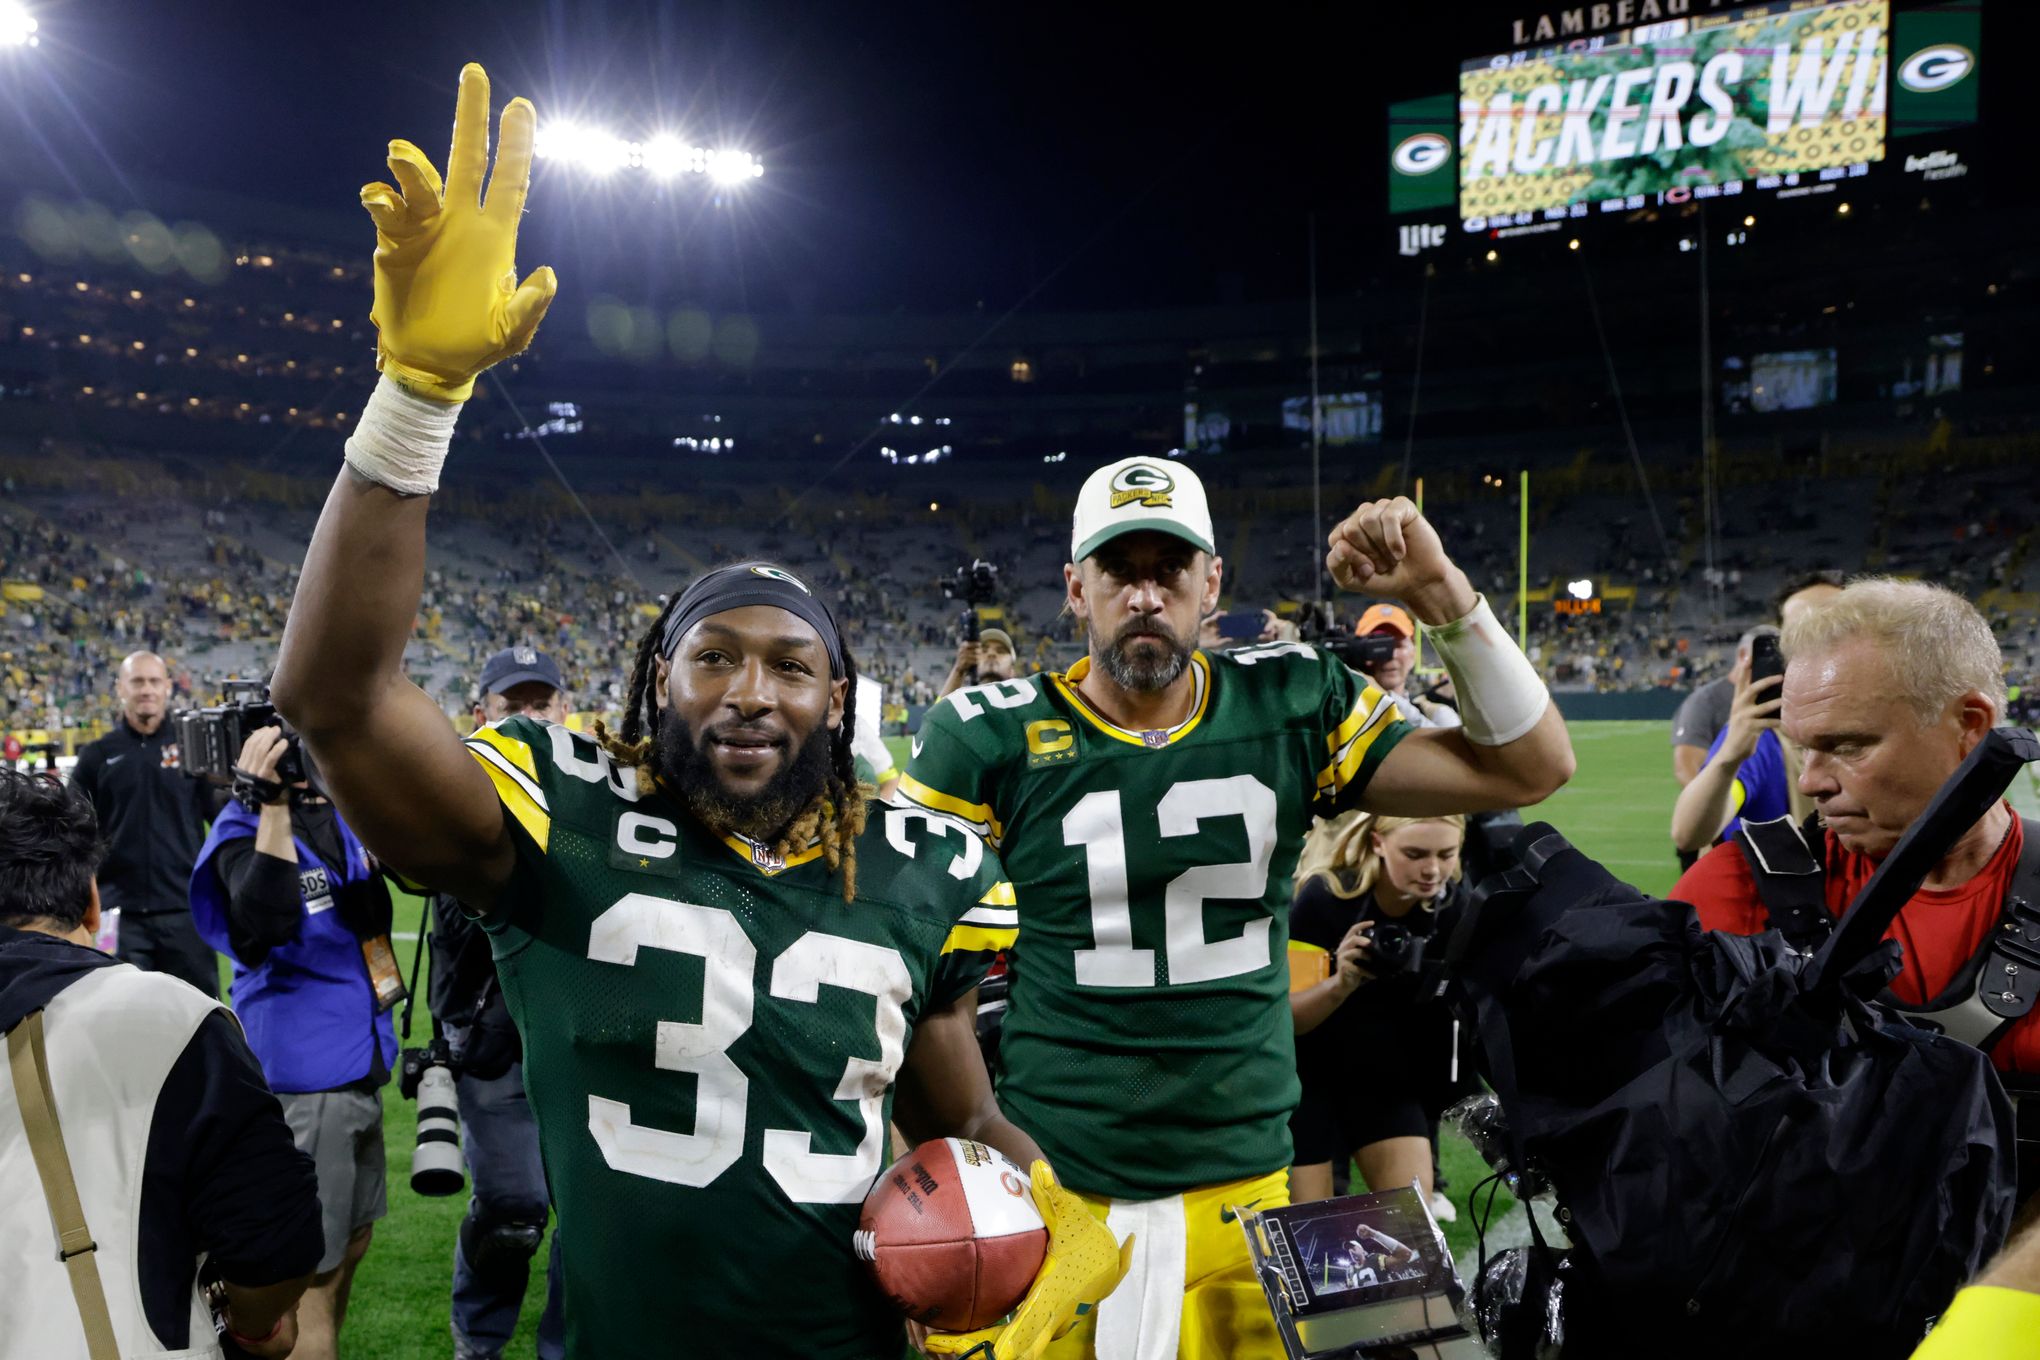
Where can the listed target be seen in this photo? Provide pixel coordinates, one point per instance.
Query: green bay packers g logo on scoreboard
(1144, 485)
(1936, 68)
(1421, 154)
(776, 574)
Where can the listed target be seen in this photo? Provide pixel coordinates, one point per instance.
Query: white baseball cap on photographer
(1140, 493)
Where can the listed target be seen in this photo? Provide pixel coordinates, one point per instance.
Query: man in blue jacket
(286, 891)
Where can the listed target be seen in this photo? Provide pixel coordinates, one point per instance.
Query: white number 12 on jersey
(1098, 825)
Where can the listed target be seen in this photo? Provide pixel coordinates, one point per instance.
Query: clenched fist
(1388, 548)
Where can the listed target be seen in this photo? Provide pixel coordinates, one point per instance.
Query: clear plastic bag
(1519, 1306)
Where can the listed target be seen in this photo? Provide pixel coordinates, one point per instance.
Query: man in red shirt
(1888, 687)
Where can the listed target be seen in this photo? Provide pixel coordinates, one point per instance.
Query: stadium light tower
(17, 26)
(664, 156)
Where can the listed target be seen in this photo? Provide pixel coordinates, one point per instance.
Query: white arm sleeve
(1500, 696)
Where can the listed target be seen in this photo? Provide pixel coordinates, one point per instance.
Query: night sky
(919, 156)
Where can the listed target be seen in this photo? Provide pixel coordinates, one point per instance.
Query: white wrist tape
(402, 439)
(1500, 696)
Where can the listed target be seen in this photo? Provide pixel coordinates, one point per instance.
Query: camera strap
(29, 1062)
(252, 791)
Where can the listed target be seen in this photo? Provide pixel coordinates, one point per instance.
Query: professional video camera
(1319, 627)
(976, 584)
(210, 739)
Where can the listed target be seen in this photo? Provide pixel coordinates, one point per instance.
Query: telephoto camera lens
(436, 1167)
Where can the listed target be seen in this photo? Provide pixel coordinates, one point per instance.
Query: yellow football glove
(447, 301)
(1083, 1265)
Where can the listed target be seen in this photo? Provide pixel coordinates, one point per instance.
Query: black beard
(685, 766)
(1141, 673)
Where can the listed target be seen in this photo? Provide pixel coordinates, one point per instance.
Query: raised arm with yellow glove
(1083, 1265)
(447, 301)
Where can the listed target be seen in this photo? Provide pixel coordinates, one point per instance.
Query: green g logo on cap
(776, 574)
(1142, 485)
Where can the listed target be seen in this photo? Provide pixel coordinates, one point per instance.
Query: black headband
(750, 583)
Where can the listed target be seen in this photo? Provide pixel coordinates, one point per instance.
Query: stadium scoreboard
(1791, 99)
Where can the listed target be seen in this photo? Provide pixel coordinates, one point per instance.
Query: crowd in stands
(95, 567)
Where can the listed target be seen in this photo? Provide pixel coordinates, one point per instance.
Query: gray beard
(1144, 674)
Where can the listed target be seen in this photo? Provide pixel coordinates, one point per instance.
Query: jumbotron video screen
(1785, 99)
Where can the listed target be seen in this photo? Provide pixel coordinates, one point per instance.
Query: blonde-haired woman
(1374, 1046)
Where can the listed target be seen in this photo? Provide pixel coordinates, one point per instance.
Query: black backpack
(1752, 1156)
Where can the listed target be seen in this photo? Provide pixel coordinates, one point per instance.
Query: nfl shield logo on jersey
(764, 857)
(1154, 740)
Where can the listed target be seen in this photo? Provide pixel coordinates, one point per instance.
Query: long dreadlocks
(835, 817)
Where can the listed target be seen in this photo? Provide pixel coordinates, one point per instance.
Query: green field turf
(1617, 809)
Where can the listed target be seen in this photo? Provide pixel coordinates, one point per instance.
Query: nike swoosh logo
(917, 746)
(1229, 1213)
(112, 761)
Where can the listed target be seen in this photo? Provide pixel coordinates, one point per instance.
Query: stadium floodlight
(17, 26)
(733, 167)
(594, 149)
(665, 156)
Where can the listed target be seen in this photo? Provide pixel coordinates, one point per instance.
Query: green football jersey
(1147, 1044)
(711, 1036)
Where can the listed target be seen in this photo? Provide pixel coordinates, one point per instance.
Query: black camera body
(975, 584)
(210, 739)
(412, 1063)
(1362, 653)
(1399, 945)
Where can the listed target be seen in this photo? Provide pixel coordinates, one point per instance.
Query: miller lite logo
(1415, 240)
(1142, 485)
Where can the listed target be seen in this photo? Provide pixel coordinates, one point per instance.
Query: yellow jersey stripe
(516, 752)
(1200, 669)
(979, 939)
(1001, 895)
(1350, 728)
(978, 815)
(1346, 763)
(537, 823)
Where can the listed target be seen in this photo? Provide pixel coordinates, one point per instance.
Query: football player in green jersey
(729, 971)
(1149, 805)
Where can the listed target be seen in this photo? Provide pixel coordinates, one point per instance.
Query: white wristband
(1500, 696)
(402, 439)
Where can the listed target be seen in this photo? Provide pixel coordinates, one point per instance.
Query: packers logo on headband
(776, 574)
(1143, 485)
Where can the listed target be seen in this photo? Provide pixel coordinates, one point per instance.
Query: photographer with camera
(990, 657)
(138, 1142)
(1375, 1045)
(1387, 655)
(1750, 771)
(507, 1213)
(285, 890)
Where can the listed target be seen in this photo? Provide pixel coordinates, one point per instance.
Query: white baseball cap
(1140, 493)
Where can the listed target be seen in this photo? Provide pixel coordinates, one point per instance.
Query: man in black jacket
(153, 817)
(506, 1217)
(134, 1062)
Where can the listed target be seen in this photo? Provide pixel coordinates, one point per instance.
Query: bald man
(153, 817)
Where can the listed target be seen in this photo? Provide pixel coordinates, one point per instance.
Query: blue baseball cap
(514, 666)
